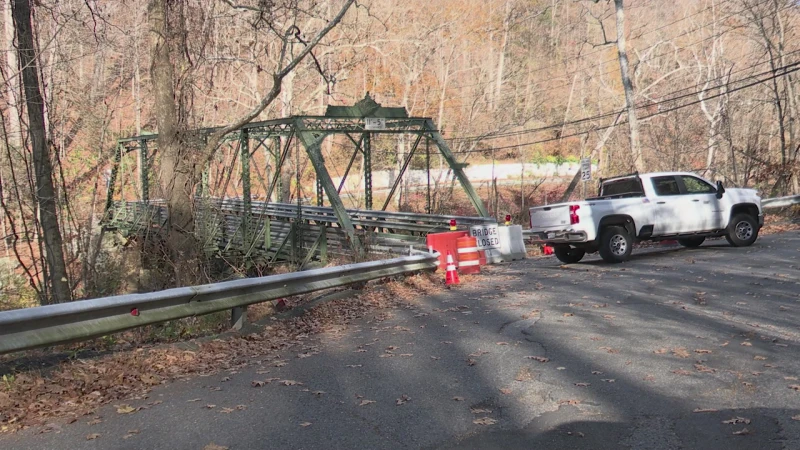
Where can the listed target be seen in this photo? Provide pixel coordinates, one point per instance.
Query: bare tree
(45, 196)
(182, 156)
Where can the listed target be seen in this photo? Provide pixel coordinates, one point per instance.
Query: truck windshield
(624, 186)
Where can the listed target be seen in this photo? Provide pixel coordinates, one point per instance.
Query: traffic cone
(451, 276)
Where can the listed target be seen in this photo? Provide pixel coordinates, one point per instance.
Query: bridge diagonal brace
(402, 172)
(312, 142)
(457, 168)
(350, 164)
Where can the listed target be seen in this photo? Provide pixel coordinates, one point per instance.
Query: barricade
(512, 245)
(468, 258)
(443, 243)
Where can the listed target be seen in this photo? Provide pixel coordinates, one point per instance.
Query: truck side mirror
(720, 189)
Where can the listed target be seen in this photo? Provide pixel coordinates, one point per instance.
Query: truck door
(667, 215)
(703, 211)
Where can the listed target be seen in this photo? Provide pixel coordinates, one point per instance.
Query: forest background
(701, 85)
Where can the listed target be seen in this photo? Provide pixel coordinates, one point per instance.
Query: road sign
(486, 236)
(374, 123)
(586, 169)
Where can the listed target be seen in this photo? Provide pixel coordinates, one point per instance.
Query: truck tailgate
(549, 216)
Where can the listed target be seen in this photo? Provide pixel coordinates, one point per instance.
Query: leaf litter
(77, 387)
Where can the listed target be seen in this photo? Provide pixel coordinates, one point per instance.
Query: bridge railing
(29, 328)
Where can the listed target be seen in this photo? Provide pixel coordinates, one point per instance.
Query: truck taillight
(453, 226)
(573, 214)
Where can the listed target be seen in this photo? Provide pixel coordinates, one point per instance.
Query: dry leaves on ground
(484, 421)
(91, 437)
(737, 420)
(680, 352)
(77, 387)
(213, 446)
(366, 402)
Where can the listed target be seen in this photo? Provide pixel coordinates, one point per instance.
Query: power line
(641, 105)
(552, 88)
(785, 69)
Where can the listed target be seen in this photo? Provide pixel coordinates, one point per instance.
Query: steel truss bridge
(238, 203)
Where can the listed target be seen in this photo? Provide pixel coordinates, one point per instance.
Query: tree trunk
(633, 124)
(45, 191)
(175, 175)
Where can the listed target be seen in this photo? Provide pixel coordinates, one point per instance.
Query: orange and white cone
(451, 276)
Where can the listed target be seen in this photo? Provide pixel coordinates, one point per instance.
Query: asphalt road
(677, 348)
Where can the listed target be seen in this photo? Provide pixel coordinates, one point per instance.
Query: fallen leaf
(760, 358)
(797, 417)
(366, 402)
(241, 407)
(569, 402)
(403, 399)
(471, 362)
(305, 424)
(746, 344)
(608, 380)
(91, 437)
(541, 359)
(458, 399)
(702, 350)
(94, 422)
(193, 400)
(660, 351)
(125, 409)
(502, 343)
(210, 406)
(742, 432)
(485, 421)
(257, 383)
(680, 352)
(597, 372)
(226, 410)
(704, 410)
(568, 314)
(224, 379)
(582, 384)
(213, 446)
(289, 382)
(353, 366)
(505, 391)
(681, 372)
(794, 387)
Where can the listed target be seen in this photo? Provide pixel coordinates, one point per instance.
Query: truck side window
(697, 186)
(666, 186)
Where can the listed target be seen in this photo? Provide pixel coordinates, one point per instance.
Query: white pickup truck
(653, 206)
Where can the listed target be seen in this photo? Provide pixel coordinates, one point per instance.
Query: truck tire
(567, 254)
(742, 230)
(615, 244)
(691, 242)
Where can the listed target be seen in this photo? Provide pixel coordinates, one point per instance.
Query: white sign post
(486, 236)
(586, 169)
(374, 123)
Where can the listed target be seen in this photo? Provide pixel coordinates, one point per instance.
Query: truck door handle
(695, 200)
(662, 203)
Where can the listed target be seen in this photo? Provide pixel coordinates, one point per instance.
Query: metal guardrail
(41, 326)
(780, 202)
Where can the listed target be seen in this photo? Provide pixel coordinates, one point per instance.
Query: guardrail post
(238, 317)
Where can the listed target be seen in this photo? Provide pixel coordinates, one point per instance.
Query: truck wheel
(615, 244)
(567, 254)
(691, 242)
(742, 230)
